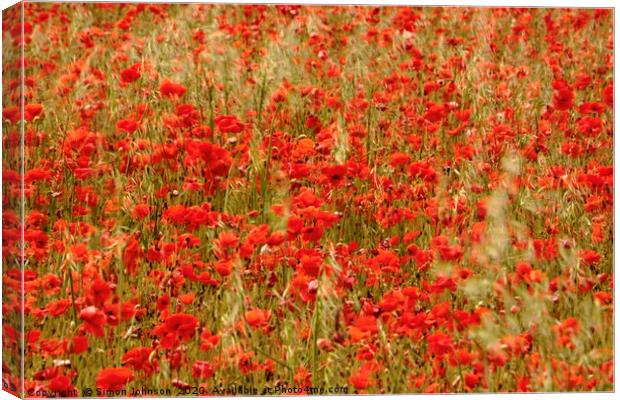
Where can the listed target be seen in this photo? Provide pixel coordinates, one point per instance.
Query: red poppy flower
(131, 254)
(589, 257)
(56, 308)
(11, 113)
(131, 74)
(439, 343)
(563, 96)
(257, 318)
(114, 378)
(362, 379)
(224, 268)
(94, 320)
(140, 359)
(176, 329)
(472, 380)
(79, 344)
(100, 292)
(127, 126)
(202, 370)
(141, 211)
(228, 124)
(171, 89)
(31, 111)
(188, 114)
(61, 384)
(208, 340)
(163, 302)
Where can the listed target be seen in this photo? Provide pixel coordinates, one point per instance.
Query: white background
(524, 3)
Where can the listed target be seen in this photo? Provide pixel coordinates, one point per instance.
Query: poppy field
(252, 199)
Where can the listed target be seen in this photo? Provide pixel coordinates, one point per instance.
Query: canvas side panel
(12, 201)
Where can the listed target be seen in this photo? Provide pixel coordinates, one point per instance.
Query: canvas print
(235, 199)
